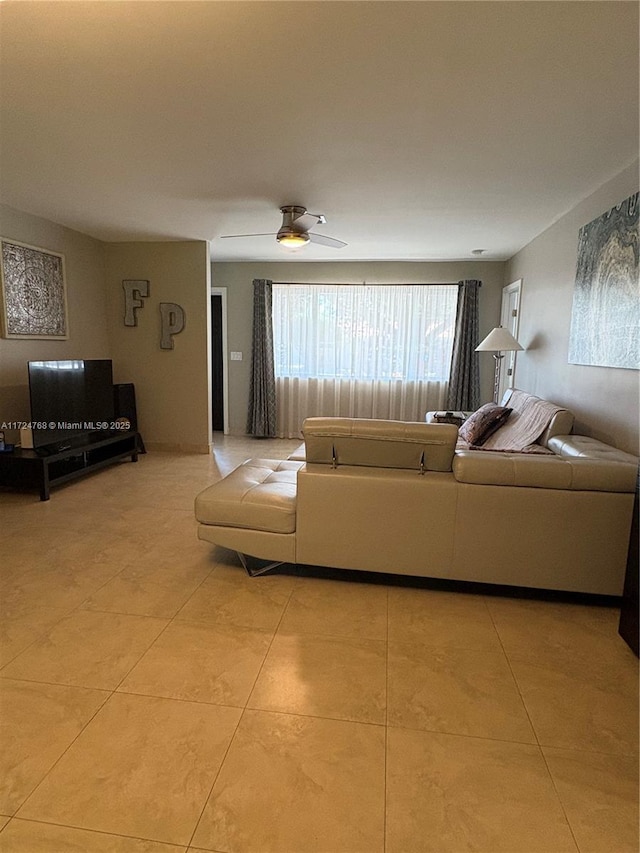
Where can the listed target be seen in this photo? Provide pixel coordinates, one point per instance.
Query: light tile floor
(156, 699)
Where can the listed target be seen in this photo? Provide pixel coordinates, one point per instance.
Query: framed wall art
(33, 291)
(605, 321)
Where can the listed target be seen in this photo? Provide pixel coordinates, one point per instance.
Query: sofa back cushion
(380, 443)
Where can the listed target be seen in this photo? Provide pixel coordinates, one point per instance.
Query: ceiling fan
(294, 231)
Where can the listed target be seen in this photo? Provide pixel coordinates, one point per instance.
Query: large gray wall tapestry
(605, 321)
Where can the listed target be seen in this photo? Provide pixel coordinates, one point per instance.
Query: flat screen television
(70, 400)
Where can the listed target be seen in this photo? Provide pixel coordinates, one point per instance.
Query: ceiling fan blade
(304, 222)
(227, 236)
(326, 241)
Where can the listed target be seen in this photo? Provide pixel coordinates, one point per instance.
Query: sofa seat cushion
(260, 494)
(481, 467)
(585, 447)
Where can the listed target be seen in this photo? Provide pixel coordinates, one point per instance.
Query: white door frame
(222, 291)
(510, 319)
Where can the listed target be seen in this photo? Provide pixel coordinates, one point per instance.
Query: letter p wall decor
(172, 321)
(172, 316)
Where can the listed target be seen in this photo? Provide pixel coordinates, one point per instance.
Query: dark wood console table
(34, 470)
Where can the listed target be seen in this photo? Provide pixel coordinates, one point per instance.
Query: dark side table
(628, 627)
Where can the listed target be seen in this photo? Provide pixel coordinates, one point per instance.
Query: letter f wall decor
(134, 289)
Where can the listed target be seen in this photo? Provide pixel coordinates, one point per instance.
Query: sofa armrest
(380, 443)
(560, 424)
(457, 418)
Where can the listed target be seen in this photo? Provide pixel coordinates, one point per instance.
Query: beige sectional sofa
(389, 496)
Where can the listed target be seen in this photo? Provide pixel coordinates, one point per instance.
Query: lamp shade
(499, 340)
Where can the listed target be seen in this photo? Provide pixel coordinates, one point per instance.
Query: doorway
(510, 319)
(219, 403)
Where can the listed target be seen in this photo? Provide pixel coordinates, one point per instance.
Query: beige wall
(84, 268)
(238, 277)
(605, 400)
(172, 386)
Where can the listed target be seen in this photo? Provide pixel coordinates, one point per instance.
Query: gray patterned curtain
(261, 421)
(464, 381)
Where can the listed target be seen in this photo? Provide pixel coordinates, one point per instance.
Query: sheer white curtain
(365, 351)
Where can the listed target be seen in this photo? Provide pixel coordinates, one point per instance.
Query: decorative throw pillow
(481, 424)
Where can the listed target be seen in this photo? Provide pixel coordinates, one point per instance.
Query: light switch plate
(236, 356)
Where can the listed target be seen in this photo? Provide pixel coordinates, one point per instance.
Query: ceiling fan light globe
(292, 239)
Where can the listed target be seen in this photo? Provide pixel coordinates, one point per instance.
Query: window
(364, 332)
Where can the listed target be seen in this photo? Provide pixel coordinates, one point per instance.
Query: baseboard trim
(177, 447)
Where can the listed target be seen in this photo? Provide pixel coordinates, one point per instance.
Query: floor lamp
(498, 341)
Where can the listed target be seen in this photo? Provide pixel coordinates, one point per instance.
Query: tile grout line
(64, 752)
(110, 694)
(557, 793)
(513, 676)
(240, 718)
(102, 832)
(170, 621)
(48, 630)
(80, 608)
(535, 733)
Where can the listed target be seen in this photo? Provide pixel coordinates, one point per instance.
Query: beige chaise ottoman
(255, 507)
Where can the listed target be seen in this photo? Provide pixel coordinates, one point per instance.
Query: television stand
(38, 471)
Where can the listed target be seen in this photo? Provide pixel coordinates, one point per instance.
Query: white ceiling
(422, 130)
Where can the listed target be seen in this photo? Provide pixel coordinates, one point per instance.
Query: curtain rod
(371, 284)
